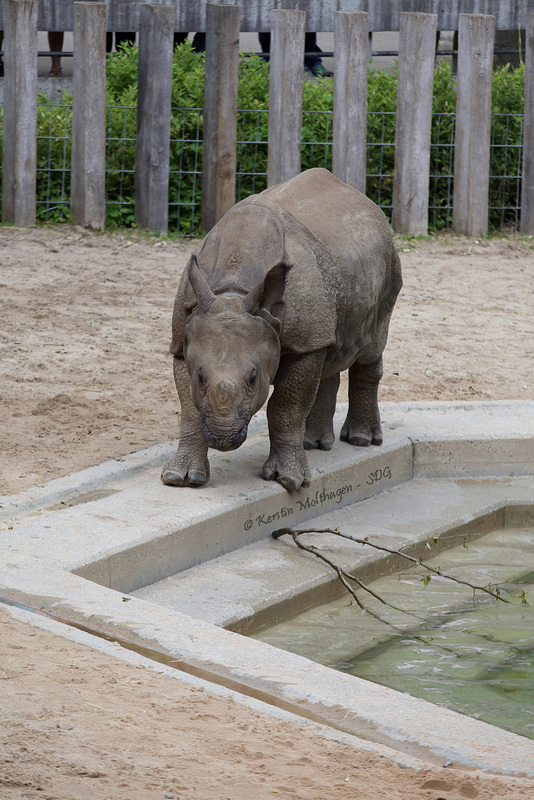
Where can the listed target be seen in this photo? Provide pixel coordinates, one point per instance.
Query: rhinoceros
(291, 287)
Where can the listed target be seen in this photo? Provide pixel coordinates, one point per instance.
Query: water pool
(472, 654)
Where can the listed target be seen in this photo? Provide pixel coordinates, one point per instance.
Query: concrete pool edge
(355, 706)
(381, 715)
(115, 651)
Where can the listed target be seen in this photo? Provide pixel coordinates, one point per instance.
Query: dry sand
(85, 376)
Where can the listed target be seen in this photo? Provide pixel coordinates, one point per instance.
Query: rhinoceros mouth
(224, 441)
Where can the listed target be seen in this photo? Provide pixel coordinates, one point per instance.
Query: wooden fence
(156, 23)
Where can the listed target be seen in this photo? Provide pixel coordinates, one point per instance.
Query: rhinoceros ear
(270, 290)
(200, 286)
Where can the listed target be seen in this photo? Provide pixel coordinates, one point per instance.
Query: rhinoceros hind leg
(362, 425)
(320, 423)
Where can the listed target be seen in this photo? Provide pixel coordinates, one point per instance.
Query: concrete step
(271, 580)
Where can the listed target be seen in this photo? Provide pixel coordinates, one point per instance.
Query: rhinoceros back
(339, 216)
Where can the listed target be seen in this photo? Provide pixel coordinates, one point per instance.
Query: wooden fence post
(220, 112)
(351, 37)
(476, 34)
(414, 121)
(156, 28)
(19, 147)
(527, 183)
(88, 162)
(285, 95)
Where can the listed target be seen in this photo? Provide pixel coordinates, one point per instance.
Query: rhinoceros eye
(253, 376)
(200, 378)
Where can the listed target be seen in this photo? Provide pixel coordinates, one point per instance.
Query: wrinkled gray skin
(292, 286)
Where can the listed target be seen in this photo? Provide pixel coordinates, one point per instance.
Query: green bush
(54, 127)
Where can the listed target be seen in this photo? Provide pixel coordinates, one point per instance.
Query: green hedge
(54, 125)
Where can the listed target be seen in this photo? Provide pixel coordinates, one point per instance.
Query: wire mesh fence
(185, 180)
(505, 171)
(121, 127)
(252, 146)
(53, 161)
(441, 171)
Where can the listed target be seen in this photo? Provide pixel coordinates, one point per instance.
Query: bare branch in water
(345, 577)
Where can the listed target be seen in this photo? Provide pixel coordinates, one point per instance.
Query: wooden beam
(154, 118)
(220, 113)
(527, 183)
(414, 122)
(473, 125)
(349, 137)
(88, 162)
(285, 95)
(19, 148)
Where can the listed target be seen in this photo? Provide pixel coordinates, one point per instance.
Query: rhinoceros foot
(361, 438)
(322, 441)
(175, 473)
(292, 476)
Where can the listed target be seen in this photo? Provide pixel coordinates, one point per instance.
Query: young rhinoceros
(291, 287)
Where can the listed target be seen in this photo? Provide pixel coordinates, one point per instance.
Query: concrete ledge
(466, 439)
(268, 581)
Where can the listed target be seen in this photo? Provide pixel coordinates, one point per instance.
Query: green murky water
(474, 655)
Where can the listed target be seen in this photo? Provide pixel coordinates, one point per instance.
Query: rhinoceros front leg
(190, 466)
(362, 425)
(320, 423)
(295, 388)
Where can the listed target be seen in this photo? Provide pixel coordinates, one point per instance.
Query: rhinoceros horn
(200, 286)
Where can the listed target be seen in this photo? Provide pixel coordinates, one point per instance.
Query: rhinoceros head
(232, 352)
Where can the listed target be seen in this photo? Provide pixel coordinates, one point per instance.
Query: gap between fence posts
(349, 135)
(414, 122)
(19, 148)
(527, 185)
(219, 153)
(476, 35)
(285, 95)
(88, 161)
(156, 28)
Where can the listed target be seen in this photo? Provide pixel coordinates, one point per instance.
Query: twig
(343, 576)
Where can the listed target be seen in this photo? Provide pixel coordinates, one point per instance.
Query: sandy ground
(85, 376)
